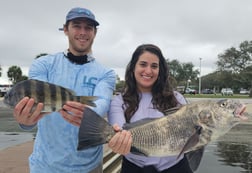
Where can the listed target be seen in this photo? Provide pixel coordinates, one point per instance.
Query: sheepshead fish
(180, 131)
(53, 96)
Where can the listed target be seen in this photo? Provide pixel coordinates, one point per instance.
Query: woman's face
(146, 71)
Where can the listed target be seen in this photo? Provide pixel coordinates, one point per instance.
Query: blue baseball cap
(80, 13)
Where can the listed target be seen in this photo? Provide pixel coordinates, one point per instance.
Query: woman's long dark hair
(163, 97)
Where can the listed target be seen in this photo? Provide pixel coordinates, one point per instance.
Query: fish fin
(88, 100)
(194, 158)
(67, 90)
(136, 151)
(192, 141)
(94, 130)
(171, 110)
(128, 126)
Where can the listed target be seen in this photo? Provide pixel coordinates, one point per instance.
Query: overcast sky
(186, 30)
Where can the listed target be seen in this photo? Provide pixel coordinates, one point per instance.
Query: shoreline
(11, 139)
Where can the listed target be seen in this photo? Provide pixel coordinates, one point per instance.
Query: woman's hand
(24, 114)
(121, 141)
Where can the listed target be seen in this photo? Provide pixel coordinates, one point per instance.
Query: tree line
(234, 70)
(15, 73)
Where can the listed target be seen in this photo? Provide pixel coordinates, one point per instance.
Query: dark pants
(181, 167)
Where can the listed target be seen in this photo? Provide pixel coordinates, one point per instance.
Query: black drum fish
(182, 130)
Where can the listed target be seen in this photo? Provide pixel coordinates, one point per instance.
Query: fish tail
(88, 100)
(94, 130)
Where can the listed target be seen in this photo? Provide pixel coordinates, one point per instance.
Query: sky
(184, 30)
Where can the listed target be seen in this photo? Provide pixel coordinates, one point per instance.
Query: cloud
(184, 30)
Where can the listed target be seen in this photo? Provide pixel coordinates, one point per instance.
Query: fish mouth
(240, 113)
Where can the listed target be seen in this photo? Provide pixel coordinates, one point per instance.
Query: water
(8, 139)
(228, 156)
(213, 162)
(232, 153)
(10, 132)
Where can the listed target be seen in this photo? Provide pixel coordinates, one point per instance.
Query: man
(55, 147)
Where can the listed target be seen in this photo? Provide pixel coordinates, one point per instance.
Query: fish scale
(59, 95)
(36, 86)
(52, 96)
(50, 90)
(153, 138)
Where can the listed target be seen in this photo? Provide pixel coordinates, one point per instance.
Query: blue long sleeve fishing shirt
(55, 147)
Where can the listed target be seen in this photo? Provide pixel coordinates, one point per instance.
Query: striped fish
(52, 96)
(185, 130)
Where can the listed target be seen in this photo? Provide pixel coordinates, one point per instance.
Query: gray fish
(186, 129)
(53, 96)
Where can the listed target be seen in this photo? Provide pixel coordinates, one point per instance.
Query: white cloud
(184, 30)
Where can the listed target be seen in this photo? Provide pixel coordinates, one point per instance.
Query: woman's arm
(122, 140)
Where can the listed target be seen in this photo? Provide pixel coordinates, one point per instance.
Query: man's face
(81, 33)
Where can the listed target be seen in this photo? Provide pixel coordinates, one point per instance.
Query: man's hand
(121, 141)
(72, 112)
(24, 114)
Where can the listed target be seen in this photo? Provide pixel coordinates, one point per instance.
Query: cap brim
(92, 20)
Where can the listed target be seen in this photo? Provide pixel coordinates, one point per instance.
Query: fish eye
(223, 104)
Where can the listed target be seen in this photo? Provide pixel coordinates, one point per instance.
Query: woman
(147, 94)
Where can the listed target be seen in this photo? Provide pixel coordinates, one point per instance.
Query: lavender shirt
(145, 110)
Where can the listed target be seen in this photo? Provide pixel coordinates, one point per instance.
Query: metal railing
(111, 162)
